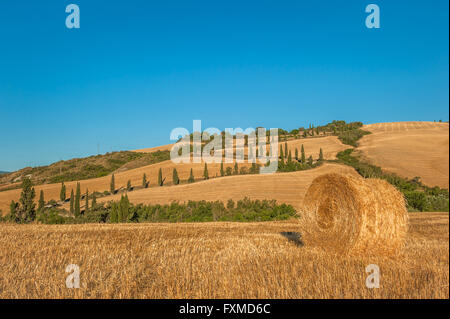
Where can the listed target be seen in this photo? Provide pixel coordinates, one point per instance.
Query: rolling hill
(409, 149)
(330, 145)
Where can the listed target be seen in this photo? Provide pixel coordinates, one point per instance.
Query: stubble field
(214, 260)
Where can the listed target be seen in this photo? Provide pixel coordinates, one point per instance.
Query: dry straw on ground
(354, 216)
(213, 260)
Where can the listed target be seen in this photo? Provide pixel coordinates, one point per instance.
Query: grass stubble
(214, 260)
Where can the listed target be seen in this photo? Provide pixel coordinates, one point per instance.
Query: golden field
(409, 149)
(213, 260)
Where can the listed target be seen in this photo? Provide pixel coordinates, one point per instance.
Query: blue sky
(137, 69)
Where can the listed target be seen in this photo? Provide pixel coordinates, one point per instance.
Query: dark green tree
(112, 185)
(86, 205)
(77, 200)
(41, 202)
(303, 155)
(175, 178)
(27, 212)
(205, 172)
(94, 201)
(114, 214)
(222, 172)
(310, 160)
(236, 168)
(124, 206)
(191, 177)
(62, 193)
(289, 157)
(144, 181)
(285, 149)
(320, 155)
(296, 154)
(160, 178)
(129, 185)
(281, 153)
(72, 202)
(13, 207)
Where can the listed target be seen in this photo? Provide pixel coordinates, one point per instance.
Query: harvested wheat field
(330, 145)
(288, 188)
(410, 149)
(214, 260)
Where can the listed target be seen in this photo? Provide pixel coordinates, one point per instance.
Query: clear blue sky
(137, 69)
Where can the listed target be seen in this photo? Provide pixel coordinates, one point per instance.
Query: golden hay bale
(354, 215)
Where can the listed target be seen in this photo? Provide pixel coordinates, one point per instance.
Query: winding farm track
(410, 149)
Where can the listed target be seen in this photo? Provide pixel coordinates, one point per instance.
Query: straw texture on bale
(354, 216)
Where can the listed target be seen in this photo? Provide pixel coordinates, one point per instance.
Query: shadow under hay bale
(294, 237)
(354, 216)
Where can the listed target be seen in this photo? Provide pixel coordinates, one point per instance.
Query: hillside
(330, 145)
(84, 168)
(409, 149)
(286, 188)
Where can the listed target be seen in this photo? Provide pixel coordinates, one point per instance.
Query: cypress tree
(205, 172)
(87, 201)
(321, 155)
(77, 201)
(296, 154)
(281, 153)
(113, 216)
(303, 155)
(175, 178)
(289, 157)
(112, 185)
(222, 172)
(285, 149)
(41, 202)
(124, 206)
(13, 212)
(62, 193)
(129, 185)
(236, 169)
(27, 212)
(144, 181)
(160, 178)
(191, 177)
(72, 210)
(94, 200)
(310, 160)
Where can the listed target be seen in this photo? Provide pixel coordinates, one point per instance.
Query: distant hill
(85, 168)
(409, 149)
(3, 172)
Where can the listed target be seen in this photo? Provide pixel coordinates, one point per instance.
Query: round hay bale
(354, 216)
